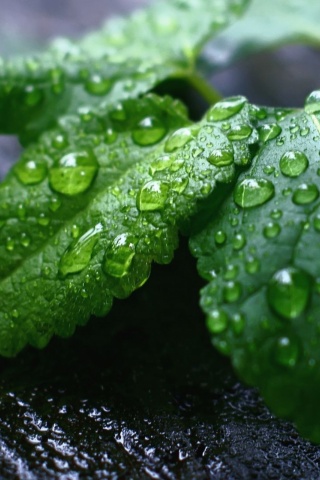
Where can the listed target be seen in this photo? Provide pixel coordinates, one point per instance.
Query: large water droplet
(77, 257)
(239, 132)
(97, 85)
(217, 321)
(149, 131)
(269, 131)
(293, 163)
(152, 196)
(226, 108)
(30, 172)
(220, 237)
(289, 291)
(74, 173)
(178, 139)
(305, 193)
(119, 255)
(312, 103)
(252, 192)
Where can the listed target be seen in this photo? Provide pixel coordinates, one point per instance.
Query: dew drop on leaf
(119, 256)
(286, 351)
(179, 184)
(217, 321)
(152, 196)
(288, 292)
(77, 257)
(305, 193)
(32, 96)
(148, 131)
(252, 265)
(97, 85)
(252, 192)
(239, 132)
(162, 163)
(59, 141)
(238, 323)
(178, 139)
(74, 173)
(239, 241)
(30, 172)
(271, 230)
(312, 103)
(221, 157)
(231, 292)
(293, 163)
(220, 237)
(316, 223)
(226, 108)
(269, 132)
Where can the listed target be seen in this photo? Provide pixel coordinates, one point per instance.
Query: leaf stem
(209, 93)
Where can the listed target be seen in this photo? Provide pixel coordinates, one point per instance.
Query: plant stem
(204, 88)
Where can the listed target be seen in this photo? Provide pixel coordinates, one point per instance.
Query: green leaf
(126, 58)
(267, 25)
(93, 203)
(260, 256)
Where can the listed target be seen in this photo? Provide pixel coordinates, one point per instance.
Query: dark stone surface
(142, 394)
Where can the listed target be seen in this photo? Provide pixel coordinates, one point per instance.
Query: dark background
(142, 394)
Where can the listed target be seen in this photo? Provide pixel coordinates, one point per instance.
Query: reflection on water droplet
(226, 108)
(152, 196)
(32, 96)
(77, 257)
(220, 237)
(252, 192)
(293, 163)
(231, 292)
(239, 132)
(148, 131)
(97, 85)
(74, 173)
(119, 256)
(221, 157)
(271, 230)
(269, 132)
(288, 292)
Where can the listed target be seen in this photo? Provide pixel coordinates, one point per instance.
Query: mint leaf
(267, 25)
(260, 258)
(93, 203)
(110, 65)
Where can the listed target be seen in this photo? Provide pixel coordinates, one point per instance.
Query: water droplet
(221, 157)
(252, 265)
(119, 256)
(269, 132)
(305, 193)
(178, 139)
(231, 292)
(43, 220)
(179, 184)
(32, 96)
(237, 323)
(268, 169)
(312, 103)
(25, 240)
(152, 196)
(293, 163)
(118, 113)
(59, 142)
(271, 230)
(30, 172)
(239, 132)
(231, 272)
(55, 204)
(304, 132)
(77, 257)
(75, 231)
(252, 192)
(162, 163)
(220, 237)
(217, 321)
(149, 131)
(226, 108)
(239, 241)
(286, 351)
(110, 136)
(10, 244)
(276, 214)
(289, 291)
(74, 173)
(97, 85)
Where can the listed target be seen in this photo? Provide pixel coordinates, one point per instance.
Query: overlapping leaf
(93, 203)
(126, 58)
(261, 258)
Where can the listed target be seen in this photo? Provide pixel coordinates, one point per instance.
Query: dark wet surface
(142, 394)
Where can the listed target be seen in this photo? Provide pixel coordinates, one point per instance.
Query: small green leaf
(267, 25)
(260, 256)
(126, 58)
(89, 207)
